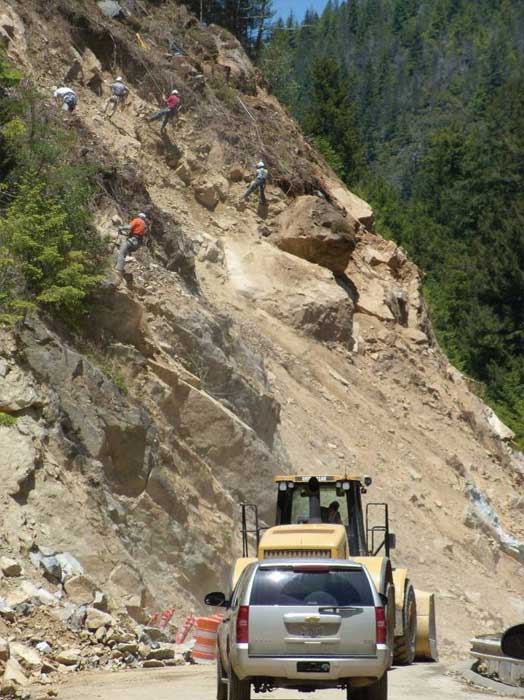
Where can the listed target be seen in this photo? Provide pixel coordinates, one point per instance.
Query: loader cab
(308, 500)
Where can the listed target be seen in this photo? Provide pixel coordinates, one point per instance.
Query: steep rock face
(116, 435)
(133, 453)
(291, 290)
(226, 357)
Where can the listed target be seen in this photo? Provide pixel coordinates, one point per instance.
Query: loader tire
(405, 644)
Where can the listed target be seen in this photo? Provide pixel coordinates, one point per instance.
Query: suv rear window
(333, 587)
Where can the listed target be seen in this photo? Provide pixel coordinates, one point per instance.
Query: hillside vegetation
(430, 96)
(49, 255)
(243, 341)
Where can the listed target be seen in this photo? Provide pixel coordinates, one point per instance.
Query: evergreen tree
(331, 116)
(434, 91)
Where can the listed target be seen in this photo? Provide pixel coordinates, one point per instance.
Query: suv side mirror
(392, 540)
(216, 600)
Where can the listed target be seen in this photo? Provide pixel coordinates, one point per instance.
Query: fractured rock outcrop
(313, 229)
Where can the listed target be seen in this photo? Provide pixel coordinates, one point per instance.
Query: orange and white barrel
(206, 629)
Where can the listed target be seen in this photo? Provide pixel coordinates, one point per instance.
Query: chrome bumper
(246, 666)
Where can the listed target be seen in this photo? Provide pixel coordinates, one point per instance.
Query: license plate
(313, 667)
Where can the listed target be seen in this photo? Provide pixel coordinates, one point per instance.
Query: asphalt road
(418, 682)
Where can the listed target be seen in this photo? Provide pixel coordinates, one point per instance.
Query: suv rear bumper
(246, 666)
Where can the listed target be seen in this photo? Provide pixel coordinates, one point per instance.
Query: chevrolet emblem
(312, 619)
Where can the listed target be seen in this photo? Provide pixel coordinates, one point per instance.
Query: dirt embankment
(244, 341)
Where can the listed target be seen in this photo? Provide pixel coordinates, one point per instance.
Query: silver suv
(302, 624)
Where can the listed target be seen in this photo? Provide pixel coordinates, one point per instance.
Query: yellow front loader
(323, 516)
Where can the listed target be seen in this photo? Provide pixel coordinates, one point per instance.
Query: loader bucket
(512, 642)
(426, 642)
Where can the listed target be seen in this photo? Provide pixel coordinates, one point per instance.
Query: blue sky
(284, 7)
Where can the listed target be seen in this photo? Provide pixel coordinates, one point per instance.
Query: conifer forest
(419, 106)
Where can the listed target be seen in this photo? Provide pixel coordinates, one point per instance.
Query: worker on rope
(258, 183)
(67, 97)
(135, 233)
(173, 105)
(119, 93)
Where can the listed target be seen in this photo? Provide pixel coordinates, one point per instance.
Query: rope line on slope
(253, 119)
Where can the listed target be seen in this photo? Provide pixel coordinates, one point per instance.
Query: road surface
(419, 682)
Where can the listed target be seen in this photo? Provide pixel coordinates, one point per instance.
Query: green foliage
(118, 378)
(437, 99)
(224, 92)
(110, 365)
(49, 254)
(277, 64)
(42, 246)
(9, 75)
(329, 116)
(7, 421)
(332, 157)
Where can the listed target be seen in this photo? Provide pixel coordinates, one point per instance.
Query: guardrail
(494, 663)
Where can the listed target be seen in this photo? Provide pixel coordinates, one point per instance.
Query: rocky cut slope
(243, 342)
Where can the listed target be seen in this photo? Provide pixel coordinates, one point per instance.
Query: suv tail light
(243, 625)
(382, 633)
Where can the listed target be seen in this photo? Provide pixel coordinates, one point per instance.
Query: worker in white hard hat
(135, 233)
(119, 93)
(173, 105)
(259, 183)
(67, 97)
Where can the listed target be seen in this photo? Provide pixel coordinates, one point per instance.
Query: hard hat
(260, 164)
(119, 79)
(174, 92)
(142, 215)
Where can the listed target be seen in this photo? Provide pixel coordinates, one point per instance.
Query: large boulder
(211, 191)
(328, 317)
(28, 657)
(14, 676)
(86, 68)
(339, 193)
(80, 589)
(232, 60)
(290, 289)
(314, 230)
(19, 456)
(97, 618)
(206, 195)
(385, 253)
(10, 567)
(499, 429)
(126, 585)
(17, 390)
(68, 657)
(237, 173)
